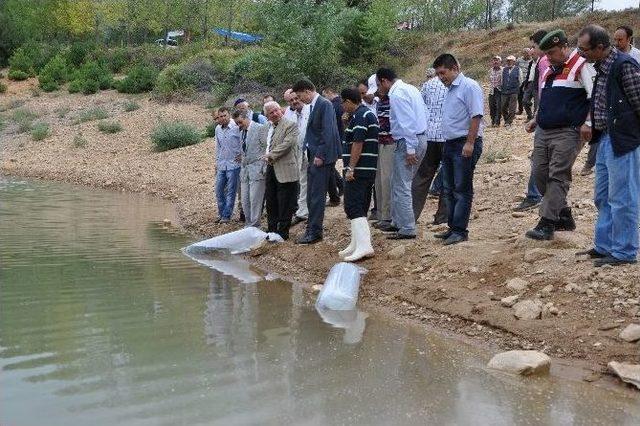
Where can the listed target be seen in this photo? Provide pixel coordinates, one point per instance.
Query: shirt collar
(458, 80)
(315, 99)
(604, 65)
(395, 85)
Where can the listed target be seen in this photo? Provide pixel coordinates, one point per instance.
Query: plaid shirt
(433, 94)
(630, 85)
(495, 78)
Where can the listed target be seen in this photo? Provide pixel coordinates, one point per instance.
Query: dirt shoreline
(453, 289)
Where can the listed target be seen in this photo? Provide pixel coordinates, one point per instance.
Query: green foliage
(79, 141)
(131, 105)
(90, 78)
(62, 112)
(109, 127)
(3, 87)
(21, 63)
(91, 114)
(39, 131)
(170, 135)
(24, 119)
(79, 52)
(140, 79)
(53, 74)
(210, 130)
(17, 75)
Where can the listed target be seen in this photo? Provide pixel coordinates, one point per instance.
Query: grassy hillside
(475, 48)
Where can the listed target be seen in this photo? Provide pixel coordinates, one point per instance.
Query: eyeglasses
(582, 50)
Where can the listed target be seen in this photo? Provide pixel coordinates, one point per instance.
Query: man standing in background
(336, 184)
(510, 89)
(228, 158)
(495, 90)
(523, 62)
(298, 113)
(623, 38)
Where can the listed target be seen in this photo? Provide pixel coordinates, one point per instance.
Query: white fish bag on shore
(340, 289)
(236, 242)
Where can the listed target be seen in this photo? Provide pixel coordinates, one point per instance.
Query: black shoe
(333, 203)
(455, 239)
(443, 235)
(543, 230)
(308, 239)
(566, 222)
(398, 236)
(526, 204)
(296, 220)
(242, 218)
(387, 227)
(373, 215)
(591, 253)
(610, 260)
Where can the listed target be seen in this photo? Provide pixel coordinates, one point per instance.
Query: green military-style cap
(552, 39)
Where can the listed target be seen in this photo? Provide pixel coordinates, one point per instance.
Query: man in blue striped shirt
(360, 157)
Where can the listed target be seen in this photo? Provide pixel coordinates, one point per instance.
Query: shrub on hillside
(79, 52)
(24, 119)
(90, 78)
(168, 136)
(17, 75)
(131, 105)
(140, 79)
(91, 114)
(109, 126)
(115, 59)
(79, 141)
(39, 131)
(53, 74)
(3, 87)
(20, 62)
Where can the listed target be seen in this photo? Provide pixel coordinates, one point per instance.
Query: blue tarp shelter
(242, 37)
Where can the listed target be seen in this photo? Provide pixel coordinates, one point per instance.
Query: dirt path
(452, 288)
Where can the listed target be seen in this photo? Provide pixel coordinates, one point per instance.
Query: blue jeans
(532, 190)
(617, 194)
(401, 178)
(226, 188)
(457, 175)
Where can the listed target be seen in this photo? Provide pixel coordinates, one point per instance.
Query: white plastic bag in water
(353, 322)
(340, 290)
(236, 242)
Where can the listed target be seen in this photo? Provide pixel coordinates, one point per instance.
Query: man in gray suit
(253, 168)
(323, 145)
(283, 165)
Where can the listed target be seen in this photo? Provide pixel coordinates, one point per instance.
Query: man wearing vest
(561, 127)
(616, 120)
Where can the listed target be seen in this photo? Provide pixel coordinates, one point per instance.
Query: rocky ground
(498, 288)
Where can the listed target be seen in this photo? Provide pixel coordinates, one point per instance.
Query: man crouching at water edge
(360, 158)
(462, 130)
(253, 169)
(283, 165)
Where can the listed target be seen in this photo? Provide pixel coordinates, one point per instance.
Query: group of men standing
(396, 140)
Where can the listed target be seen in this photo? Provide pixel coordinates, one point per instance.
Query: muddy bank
(459, 288)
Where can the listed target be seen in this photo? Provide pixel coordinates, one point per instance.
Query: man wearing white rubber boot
(360, 156)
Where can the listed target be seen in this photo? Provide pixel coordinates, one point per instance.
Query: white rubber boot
(362, 236)
(352, 245)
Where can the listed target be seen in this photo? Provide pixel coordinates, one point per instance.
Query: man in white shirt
(408, 127)
(298, 112)
(623, 38)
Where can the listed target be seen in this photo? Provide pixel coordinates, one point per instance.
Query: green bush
(79, 52)
(90, 78)
(140, 79)
(210, 130)
(21, 63)
(17, 75)
(3, 87)
(53, 74)
(91, 114)
(39, 131)
(24, 119)
(131, 105)
(168, 136)
(79, 141)
(109, 127)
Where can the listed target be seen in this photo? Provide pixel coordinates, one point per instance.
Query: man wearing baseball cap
(562, 125)
(510, 90)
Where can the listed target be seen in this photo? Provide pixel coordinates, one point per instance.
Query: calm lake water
(104, 321)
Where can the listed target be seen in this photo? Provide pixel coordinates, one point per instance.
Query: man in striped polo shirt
(360, 157)
(561, 127)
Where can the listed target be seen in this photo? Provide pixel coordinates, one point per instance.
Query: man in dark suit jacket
(323, 144)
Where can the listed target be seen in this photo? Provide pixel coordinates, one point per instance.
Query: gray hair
(269, 105)
(597, 35)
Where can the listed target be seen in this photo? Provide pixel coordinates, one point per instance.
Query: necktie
(244, 141)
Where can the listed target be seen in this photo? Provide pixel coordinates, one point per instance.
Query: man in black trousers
(323, 145)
